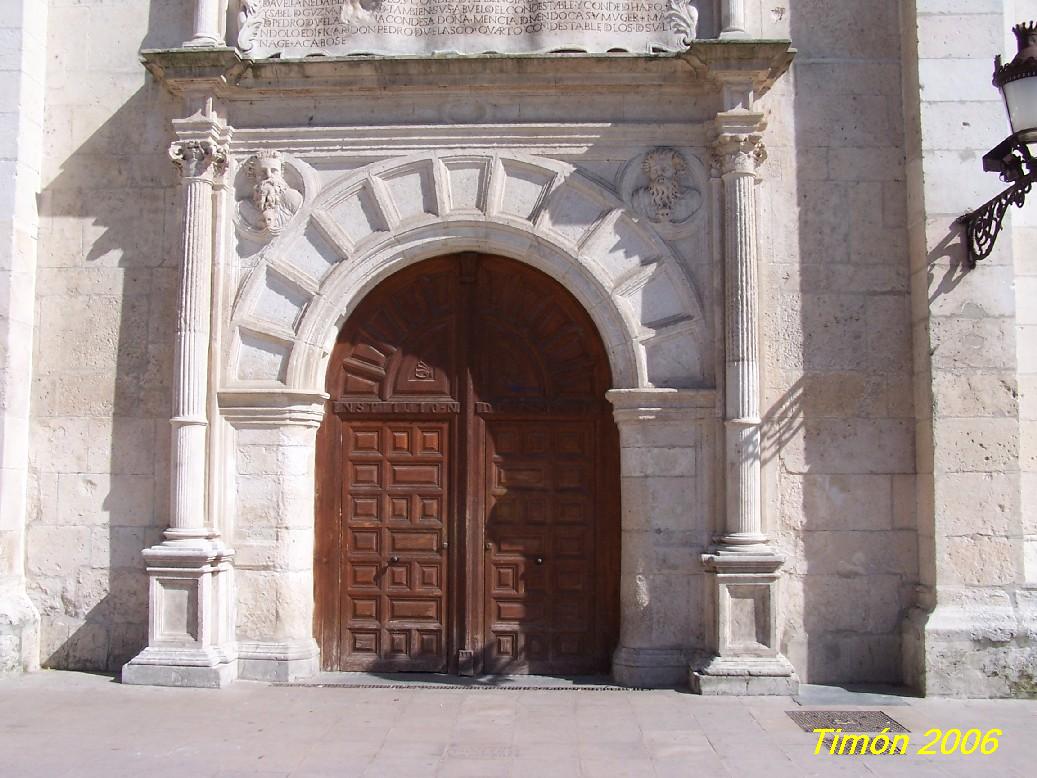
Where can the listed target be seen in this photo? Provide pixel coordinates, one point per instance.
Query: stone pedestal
(744, 629)
(190, 630)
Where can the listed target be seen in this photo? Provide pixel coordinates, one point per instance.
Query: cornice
(706, 67)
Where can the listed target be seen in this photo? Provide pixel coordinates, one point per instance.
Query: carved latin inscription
(374, 407)
(299, 28)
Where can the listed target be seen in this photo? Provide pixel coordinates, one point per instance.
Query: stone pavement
(68, 724)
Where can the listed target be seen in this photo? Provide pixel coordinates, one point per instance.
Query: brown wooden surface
(468, 478)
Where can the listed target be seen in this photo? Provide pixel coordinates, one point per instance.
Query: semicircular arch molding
(373, 222)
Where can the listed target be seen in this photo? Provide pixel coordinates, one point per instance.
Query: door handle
(394, 560)
(540, 560)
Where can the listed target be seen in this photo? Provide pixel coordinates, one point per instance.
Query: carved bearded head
(267, 170)
(664, 168)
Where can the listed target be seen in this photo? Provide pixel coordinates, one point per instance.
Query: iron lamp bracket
(1015, 164)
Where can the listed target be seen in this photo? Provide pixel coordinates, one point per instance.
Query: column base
(205, 42)
(720, 676)
(19, 629)
(188, 667)
(278, 662)
(649, 668)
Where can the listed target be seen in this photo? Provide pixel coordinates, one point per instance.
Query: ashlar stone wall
(972, 633)
(104, 329)
(839, 441)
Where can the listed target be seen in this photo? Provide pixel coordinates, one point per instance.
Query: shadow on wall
(843, 429)
(106, 296)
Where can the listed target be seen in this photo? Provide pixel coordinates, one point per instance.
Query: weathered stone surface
(894, 389)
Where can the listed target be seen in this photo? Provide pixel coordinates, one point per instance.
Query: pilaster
(191, 589)
(275, 444)
(662, 436)
(743, 566)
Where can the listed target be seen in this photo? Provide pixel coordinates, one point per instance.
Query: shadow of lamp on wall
(1012, 158)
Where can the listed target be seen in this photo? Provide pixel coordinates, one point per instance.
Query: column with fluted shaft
(190, 636)
(737, 156)
(209, 20)
(733, 19)
(744, 656)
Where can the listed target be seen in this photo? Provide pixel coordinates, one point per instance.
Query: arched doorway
(468, 478)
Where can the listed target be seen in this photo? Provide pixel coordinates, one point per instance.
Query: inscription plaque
(301, 28)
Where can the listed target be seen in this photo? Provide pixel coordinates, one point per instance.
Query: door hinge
(465, 662)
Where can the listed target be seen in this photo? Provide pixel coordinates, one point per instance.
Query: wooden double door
(467, 479)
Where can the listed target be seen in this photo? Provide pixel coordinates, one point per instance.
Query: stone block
(847, 62)
(977, 504)
(889, 333)
(960, 343)
(70, 643)
(979, 560)
(905, 502)
(972, 394)
(976, 445)
(215, 677)
(853, 553)
(961, 124)
(61, 445)
(847, 502)
(658, 462)
(57, 551)
(103, 499)
(1028, 490)
(851, 446)
(855, 164)
(835, 331)
(939, 35)
(956, 79)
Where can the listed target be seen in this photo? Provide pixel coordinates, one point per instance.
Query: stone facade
(826, 423)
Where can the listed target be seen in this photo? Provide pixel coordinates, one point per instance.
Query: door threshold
(444, 681)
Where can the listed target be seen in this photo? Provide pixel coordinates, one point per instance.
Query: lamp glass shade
(1021, 101)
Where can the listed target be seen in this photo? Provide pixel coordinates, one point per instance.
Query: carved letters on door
(468, 478)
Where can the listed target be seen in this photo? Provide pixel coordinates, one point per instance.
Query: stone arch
(375, 221)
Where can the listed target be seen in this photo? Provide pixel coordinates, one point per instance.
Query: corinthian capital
(197, 158)
(739, 153)
(738, 141)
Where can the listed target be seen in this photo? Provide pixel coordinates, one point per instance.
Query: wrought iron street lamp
(1012, 158)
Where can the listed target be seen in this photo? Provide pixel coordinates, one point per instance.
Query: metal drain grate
(847, 720)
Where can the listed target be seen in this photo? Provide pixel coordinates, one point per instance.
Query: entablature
(741, 68)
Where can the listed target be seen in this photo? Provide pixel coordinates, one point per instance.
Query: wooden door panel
(540, 584)
(395, 604)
